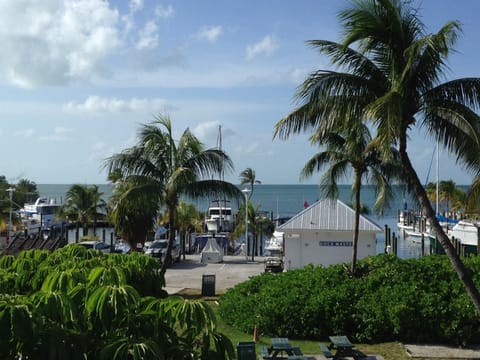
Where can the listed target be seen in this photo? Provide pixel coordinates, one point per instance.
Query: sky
(78, 78)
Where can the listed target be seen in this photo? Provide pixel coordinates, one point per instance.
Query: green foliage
(81, 304)
(389, 299)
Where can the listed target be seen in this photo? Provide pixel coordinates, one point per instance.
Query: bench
(264, 352)
(296, 350)
(325, 350)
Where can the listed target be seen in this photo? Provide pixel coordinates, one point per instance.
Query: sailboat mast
(219, 147)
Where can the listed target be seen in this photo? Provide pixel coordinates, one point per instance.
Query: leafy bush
(76, 303)
(415, 300)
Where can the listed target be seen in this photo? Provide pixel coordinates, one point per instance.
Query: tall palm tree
(349, 148)
(247, 176)
(165, 169)
(389, 73)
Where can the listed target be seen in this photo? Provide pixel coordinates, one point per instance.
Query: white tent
(212, 252)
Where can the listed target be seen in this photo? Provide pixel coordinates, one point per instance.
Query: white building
(322, 234)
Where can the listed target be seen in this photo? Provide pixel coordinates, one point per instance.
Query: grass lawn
(389, 351)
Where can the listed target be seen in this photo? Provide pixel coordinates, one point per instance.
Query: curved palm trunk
(358, 184)
(457, 264)
(171, 239)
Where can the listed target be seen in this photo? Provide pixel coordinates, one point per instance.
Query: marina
(281, 201)
(284, 201)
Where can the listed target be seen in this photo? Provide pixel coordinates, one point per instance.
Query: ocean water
(288, 200)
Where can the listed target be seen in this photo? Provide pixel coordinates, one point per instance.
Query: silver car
(158, 249)
(96, 245)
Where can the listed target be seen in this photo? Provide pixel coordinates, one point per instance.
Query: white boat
(416, 236)
(201, 240)
(219, 217)
(467, 232)
(274, 246)
(40, 214)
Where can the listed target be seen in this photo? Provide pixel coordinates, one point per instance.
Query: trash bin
(208, 285)
(246, 350)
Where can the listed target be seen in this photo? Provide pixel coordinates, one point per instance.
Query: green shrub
(389, 299)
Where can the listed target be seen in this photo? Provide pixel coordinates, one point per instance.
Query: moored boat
(274, 246)
(40, 214)
(467, 233)
(219, 217)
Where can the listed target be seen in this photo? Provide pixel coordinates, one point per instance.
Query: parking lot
(188, 273)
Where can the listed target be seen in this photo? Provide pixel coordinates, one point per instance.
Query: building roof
(328, 215)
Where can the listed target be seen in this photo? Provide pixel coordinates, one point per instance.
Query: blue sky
(78, 77)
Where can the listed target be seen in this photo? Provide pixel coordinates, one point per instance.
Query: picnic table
(344, 348)
(280, 346)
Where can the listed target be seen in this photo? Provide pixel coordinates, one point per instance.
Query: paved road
(187, 274)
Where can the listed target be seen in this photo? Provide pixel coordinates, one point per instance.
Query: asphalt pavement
(188, 273)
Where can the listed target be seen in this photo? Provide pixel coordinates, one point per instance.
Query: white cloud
(135, 5)
(164, 11)
(58, 42)
(95, 104)
(210, 33)
(26, 133)
(266, 46)
(206, 131)
(59, 134)
(148, 36)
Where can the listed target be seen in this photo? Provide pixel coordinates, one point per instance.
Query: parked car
(96, 245)
(122, 248)
(158, 249)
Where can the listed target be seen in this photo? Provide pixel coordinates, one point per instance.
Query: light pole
(10, 193)
(246, 192)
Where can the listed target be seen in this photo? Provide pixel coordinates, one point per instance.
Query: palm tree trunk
(422, 198)
(358, 184)
(171, 239)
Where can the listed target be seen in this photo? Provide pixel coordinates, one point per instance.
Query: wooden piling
(423, 244)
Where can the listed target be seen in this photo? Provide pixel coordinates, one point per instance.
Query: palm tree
(350, 148)
(189, 219)
(258, 224)
(390, 74)
(84, 204)
(472, 198)
(446, 192)
(247, 176)
(165, 169)
(132, 214)
(25, 191)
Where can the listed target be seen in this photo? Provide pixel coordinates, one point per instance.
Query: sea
(287, 200)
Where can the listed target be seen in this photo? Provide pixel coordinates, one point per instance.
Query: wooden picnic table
(344, 348)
